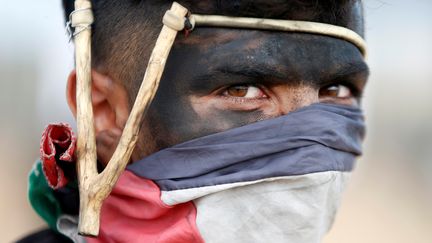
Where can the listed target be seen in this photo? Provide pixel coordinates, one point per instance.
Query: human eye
(338, 91)
(247, 91)
(340, 94)
(242, 97)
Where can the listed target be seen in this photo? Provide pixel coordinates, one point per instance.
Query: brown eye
(244, 91)
(335, 91)
(237, 91)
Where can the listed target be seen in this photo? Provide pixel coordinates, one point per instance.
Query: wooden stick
(94, 187)
(86, 143)
(282, 25)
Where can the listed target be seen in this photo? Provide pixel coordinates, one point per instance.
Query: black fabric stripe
(317, 138)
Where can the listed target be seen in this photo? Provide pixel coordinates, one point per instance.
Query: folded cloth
(57, 149)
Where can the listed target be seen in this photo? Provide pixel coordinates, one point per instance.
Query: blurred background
(390, 196)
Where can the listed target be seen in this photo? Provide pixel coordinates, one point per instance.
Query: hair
(125, 31)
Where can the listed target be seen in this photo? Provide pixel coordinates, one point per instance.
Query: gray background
(389, 198)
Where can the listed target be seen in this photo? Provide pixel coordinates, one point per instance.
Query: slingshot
(94, 188)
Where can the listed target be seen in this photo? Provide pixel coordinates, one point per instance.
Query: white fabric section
(68, 226)
(185, 195)
(298, 209)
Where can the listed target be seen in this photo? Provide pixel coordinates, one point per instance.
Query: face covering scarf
(94, 187)
(277, 180)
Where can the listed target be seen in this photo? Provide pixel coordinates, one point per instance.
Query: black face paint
(241, 57)
(189, 103)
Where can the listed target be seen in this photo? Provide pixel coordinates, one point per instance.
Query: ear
(110, 109)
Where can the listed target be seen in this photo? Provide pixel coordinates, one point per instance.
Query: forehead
(308, 53)
(213, 52)
(221, 45)
(345, 13)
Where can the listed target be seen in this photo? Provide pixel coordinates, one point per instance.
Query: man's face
(217, 79)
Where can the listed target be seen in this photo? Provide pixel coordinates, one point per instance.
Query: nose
(289, 98)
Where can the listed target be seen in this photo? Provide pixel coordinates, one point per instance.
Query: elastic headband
(265, 24)
(95, 187)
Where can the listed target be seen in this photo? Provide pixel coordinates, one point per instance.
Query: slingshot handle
(94, 188)
(86, 142)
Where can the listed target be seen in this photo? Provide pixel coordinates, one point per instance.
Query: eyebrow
(352, 68)
(355, 73)
(243, 70)
(263, 71)
(255, 70)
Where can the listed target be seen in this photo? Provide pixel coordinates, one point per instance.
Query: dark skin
(218, 79)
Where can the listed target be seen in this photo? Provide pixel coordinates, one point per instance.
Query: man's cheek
(215, 116)
(181, 121)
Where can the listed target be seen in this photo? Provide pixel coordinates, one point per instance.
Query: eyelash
(355, 91)
(240, 100)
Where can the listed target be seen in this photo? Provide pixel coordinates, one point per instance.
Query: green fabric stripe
(42, 198)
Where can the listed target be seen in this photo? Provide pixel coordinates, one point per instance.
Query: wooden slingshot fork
(94, 188)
